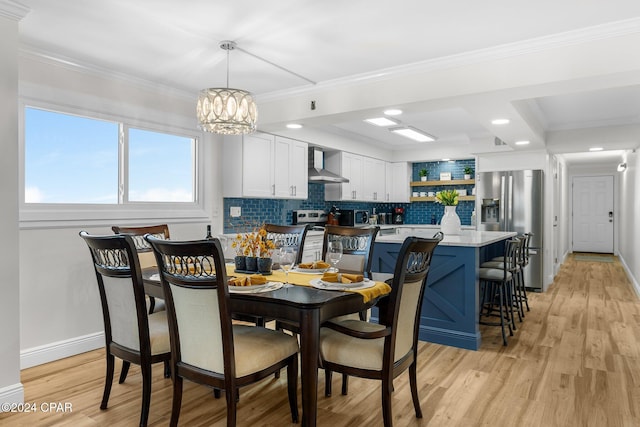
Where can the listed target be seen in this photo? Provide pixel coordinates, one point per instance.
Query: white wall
(629, 240)
(59, 306)
(10, 387)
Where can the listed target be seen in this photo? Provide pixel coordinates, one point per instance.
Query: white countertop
(465, 238)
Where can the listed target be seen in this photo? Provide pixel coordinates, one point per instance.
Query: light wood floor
(575, 361)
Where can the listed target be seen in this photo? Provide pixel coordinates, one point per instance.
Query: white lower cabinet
(312, 250)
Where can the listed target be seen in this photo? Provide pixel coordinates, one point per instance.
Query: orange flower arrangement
(254, 243)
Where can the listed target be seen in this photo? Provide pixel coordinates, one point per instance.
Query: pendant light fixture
(227, 111)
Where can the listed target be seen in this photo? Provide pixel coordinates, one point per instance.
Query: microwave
(353, 217)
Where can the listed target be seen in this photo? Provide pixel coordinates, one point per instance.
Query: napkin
(342, 278)
(313, 265)
(254, 279)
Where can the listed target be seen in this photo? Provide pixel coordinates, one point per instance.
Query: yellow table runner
(302, 279)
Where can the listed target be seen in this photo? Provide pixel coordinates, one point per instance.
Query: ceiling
(348, 45)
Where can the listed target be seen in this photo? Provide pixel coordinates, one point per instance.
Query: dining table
(302, 298)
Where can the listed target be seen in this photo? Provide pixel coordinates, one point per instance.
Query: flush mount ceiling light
(500, 121)
(595, 149)
(413, 133)
(393, 112)
(382, 121)
(522, 142)
(226, 111)
(622, 167)
(294, 126)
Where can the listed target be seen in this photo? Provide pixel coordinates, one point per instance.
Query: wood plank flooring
(574, 361)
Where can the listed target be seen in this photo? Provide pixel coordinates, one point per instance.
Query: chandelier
(226, 111)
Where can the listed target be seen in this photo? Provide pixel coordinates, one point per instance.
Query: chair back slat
(145, 254)
(288, 235)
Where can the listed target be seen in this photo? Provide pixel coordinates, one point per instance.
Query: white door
(281, 170)
(593, 214)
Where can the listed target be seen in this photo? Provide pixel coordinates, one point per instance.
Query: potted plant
(253, 251)
(423, 174)
(468, 171)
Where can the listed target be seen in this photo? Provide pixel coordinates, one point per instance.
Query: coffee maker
(398, 216)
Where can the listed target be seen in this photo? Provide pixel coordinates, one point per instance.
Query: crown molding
(34, 53)
(13, 10)
(538, 44)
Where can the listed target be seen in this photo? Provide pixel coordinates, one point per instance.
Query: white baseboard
(632, 279)
(12, 394)
(61, 349)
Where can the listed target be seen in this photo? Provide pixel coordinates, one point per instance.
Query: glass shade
(226, 111)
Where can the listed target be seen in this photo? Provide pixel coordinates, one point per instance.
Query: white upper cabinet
(397, 186)
(366, 177)
(265, 166)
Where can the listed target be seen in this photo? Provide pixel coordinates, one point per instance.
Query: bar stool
(497, 288)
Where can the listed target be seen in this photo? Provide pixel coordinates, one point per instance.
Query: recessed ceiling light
(294, 126)
(413, 133)
(382, 121)
(446, 160)
(522, 142)
(393, 112)
(595, 149)
(500, 121)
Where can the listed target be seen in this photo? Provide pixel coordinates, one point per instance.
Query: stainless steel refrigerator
(514, 201)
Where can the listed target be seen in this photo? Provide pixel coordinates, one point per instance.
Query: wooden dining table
(297, 302)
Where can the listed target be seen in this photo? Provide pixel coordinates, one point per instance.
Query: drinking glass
(334, 253)
(287, 258)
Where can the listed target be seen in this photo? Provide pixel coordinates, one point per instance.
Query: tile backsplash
(278, 211)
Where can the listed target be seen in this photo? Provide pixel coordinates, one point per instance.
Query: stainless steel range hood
(317, 172)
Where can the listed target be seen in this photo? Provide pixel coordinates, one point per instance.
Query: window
(74, 159)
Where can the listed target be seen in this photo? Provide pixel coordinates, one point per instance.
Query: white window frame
(37, 215)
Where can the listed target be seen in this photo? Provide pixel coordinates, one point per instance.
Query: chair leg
(217, 393)
(327, 383)
(177, 401)
(345, 384)
(146, 393)
(232, 405)
(292, 387)
(413, 382)
(108, 380)
(504, 335)
(152, 304)
(167, 369)
(387, 416)
(124, 371)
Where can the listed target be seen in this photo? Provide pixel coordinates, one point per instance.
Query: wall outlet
(235, 211)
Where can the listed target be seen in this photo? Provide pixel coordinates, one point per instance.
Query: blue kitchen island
(451, 299)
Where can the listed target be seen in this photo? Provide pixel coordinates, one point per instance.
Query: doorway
(593, 214)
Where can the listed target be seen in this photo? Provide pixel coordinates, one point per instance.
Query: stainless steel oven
(353, 217)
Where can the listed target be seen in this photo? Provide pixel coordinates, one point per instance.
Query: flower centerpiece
(450, 223)
(256, 250)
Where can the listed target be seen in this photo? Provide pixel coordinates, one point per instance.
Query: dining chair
(206, 346)
(290, 235)
(384, 350)
(131, 333)
(357, 247)
(145, 254)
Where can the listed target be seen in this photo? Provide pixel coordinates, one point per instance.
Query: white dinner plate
(332, 286)
(310, 270)
(254, 289)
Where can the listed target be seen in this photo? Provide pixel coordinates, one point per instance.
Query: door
(281, 169)
(593, 214)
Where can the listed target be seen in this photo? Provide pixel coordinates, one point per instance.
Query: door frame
(616, 204)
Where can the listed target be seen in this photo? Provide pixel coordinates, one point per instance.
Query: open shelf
(438, 183)
(433, 199)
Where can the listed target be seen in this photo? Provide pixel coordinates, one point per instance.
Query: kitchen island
(451, 299)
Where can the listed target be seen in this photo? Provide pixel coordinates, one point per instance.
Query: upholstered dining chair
(131, 334)
(206, 347)
(145, 254)
(357, 247)
(290, 235)
(384, 350)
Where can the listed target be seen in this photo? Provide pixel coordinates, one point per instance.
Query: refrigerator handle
(503, 200)
(510, 207)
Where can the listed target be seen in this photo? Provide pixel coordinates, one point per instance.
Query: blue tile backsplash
(278, 211)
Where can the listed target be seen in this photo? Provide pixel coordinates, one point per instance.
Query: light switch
(235, 211)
